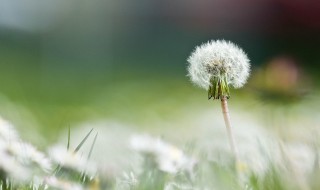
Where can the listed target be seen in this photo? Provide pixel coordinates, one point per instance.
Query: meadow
(160, 133)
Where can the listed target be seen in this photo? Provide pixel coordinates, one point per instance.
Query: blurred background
(67, 62)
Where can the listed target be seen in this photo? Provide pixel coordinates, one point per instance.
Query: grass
(189, 173)
(168, 106)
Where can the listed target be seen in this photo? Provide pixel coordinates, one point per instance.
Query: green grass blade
(92, 145)
(68, 144)
(83, 141)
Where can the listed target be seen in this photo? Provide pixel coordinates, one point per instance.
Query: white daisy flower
(12, 168)
(169, 158)
(18, 160)
(217, 64)
(72, 160)
(127, 180)
(27, 154)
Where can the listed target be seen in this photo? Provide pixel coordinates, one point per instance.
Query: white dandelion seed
(218, 63)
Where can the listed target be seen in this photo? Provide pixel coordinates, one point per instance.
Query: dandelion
(216, 65)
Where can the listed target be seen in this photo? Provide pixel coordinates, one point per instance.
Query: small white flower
(169, 158)
(218, 63)
(72, 160)
(28, 154)
(19, 160)
(128, 179)
(12, 168)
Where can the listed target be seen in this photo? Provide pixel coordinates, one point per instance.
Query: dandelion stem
(226, 116)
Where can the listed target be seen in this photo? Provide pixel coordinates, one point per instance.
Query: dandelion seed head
(217, 59)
